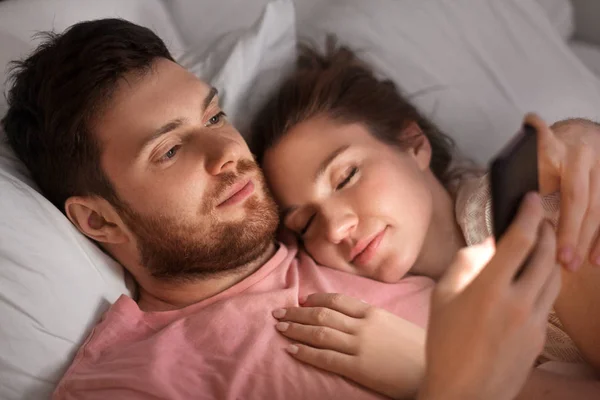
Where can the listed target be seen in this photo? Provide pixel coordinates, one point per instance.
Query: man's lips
(238, 192)
(366, 249)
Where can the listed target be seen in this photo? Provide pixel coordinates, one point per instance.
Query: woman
(369, 186)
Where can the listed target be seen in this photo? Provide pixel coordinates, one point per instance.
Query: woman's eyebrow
(326, 162)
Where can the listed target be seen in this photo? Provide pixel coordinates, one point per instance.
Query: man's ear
(421, 147)
(97, 219)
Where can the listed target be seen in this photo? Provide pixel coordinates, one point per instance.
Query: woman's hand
(569, 162)
(351, 338)
(487, 326)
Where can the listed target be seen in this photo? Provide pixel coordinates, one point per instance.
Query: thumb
(467, 265)
(544, 132)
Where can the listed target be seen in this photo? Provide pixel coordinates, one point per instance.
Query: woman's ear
(421, 147)
(97, 219)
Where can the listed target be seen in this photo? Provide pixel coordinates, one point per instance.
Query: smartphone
(513, 173)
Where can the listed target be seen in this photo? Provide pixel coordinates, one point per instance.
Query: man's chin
(181, 253)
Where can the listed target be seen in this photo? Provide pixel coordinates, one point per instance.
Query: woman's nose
(339, 225)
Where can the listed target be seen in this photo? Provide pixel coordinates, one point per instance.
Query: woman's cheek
(324, 256)
(376, 191)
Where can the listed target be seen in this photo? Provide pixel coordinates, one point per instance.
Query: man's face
(190, 191)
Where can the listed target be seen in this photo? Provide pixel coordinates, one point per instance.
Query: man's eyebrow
(177, 122)
(323, 166)
(209, 98)
(163, 130)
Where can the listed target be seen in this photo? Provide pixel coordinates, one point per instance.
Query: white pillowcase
(54, 283)
(246, 65)
(561, 15)
(589, 54)
(474, 67)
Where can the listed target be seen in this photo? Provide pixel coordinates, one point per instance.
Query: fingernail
(292, 349)
(574, 264)
(282, 326)
(566, 255)
(302, 299)
(279, 313)
(597, 261)
(531, 197)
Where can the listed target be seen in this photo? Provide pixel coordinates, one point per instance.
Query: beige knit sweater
(474, 215)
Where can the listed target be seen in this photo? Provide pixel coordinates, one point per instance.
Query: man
(138, 155)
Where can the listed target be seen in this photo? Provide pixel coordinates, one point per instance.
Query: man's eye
(348, 178)
(215, 119)
(170, 154)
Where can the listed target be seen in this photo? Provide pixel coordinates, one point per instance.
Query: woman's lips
(366, 254)
(239, 193)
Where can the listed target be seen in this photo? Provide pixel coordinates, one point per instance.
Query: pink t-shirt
(226, 347)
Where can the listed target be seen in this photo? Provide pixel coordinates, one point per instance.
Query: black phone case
(513, 173)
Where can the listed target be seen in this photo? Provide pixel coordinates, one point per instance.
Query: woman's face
(360, 205)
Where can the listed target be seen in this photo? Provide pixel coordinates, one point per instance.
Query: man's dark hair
(59, 91)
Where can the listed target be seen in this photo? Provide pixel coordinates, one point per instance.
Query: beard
(173, 250)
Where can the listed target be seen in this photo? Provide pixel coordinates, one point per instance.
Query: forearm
(542, 385)
(551, 386)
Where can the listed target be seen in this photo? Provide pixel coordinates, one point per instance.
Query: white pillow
(202, 23)
(54, 283)
(561, 15)
(474, 67)
(246, 65)
(588, 53)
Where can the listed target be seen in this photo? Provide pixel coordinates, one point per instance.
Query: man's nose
(223, 155)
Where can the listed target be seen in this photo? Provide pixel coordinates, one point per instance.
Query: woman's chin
(390, 273)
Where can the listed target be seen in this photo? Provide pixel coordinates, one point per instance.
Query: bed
(473, 66)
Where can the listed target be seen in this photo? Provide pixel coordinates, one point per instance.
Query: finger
(539, 124)
(318, 316)
(321, 337)
(551, 155)
(329, 360)
(548, 143)
(574, 197)
(591, 221)
(540, 265)
(594, 253)
(350, 306)
(466, 266)
(517, 243)
(548, 295)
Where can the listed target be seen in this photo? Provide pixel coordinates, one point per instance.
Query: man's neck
(160, 296)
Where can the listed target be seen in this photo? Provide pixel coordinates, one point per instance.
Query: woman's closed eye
(305, 229)
(351, 173)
